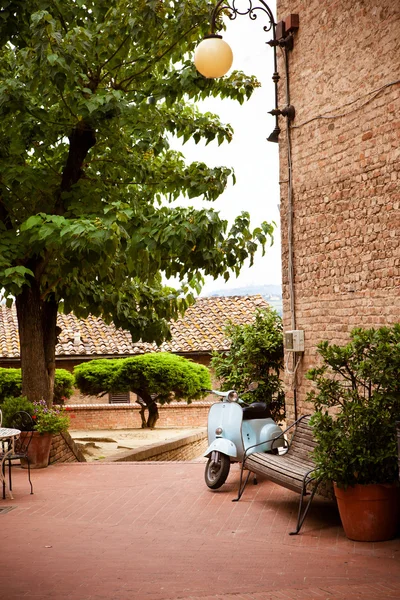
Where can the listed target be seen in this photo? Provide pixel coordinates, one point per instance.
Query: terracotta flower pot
(38, 450)
(369, 513)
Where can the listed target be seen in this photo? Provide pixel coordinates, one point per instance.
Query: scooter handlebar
(216, 392)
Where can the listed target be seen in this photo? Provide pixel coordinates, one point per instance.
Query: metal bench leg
(29, 474)
(241, 484)
(301, 517)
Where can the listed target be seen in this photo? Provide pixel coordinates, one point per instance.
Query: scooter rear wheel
(217, 471)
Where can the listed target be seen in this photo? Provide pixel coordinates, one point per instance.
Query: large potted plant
(357, 403)
(46, 422)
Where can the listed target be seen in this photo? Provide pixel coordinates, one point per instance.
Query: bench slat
(290, 477)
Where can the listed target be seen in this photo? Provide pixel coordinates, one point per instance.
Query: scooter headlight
(218, 431)
(232, 397)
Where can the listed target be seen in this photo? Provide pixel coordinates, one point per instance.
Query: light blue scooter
(233, 428)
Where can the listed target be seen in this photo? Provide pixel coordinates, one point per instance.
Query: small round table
(7, 441)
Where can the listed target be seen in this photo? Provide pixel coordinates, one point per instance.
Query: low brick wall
(184, 447)
(63, 449)
(126, 416)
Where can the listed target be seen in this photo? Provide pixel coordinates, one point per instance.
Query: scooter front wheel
(217, 470)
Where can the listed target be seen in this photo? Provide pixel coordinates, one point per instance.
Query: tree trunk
(49, 325)
(153, 415)
(37, 334)
(149, 402)
(143, 407)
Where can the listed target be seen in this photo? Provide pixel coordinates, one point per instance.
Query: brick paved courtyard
(153, 531)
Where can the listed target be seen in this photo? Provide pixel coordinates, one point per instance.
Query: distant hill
(271, 293)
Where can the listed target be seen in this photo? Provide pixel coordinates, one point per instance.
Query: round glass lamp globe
(213, 57)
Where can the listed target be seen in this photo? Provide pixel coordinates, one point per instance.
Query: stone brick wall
(344, 83)
(126, 416)
(64, 449)
(184, 447)
(181, 448)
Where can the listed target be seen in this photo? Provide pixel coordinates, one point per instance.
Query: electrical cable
(290, 199)
(297, 360)
(292, 307)
(328, 116)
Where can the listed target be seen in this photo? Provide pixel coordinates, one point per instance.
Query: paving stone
(148, 531)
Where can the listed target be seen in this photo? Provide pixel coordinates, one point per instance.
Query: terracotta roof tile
(200, 330)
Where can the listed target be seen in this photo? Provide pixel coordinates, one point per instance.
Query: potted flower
(357, 403)
(46, 422)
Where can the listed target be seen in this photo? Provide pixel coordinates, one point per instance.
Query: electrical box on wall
(294, 340)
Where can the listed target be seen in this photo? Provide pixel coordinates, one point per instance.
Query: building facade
(340, 213)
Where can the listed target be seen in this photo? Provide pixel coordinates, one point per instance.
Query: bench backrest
(303, 442)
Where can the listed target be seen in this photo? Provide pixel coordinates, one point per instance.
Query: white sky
(255, 161)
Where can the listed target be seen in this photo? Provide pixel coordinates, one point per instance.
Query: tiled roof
(200, 330)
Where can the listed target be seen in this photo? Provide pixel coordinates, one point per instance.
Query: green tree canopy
(90, 94)
(155, 377)
(255, 354)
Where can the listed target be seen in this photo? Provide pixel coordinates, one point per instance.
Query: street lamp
(213, 56)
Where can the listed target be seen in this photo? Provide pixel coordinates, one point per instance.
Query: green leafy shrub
(64, 382)
(12, 405)
(357, 403)
(255, 354)
(168, 376)
(46, 420)
(11, 384)
(49, 420)
(97, 376)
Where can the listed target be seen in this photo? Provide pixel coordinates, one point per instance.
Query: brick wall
(346, 172)
(184, 447)
(181, 448)
(126, 416)
(63, 449)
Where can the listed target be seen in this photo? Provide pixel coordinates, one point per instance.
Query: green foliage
(47, 420)
(90, 95)
(12, 405)
(63, 385)
(256, 354)
(357, 403)
(167, 376)
(11, 384)
(97, 376)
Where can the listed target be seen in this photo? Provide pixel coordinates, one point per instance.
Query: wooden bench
(294, 470)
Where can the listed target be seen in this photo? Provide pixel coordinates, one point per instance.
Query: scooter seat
(257, 410)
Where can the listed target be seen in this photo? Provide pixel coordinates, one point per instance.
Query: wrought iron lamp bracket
(253, 10)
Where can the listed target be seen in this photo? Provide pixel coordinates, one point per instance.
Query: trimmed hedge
(11, 384)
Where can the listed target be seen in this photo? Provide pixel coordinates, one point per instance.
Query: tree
(255, 354)
(90, 95)
(157, 377)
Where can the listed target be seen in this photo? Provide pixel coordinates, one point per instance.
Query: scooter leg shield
(222, 445)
